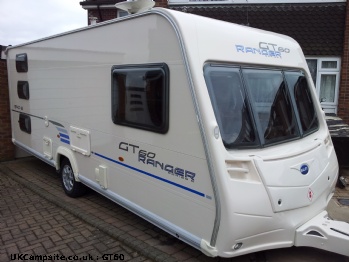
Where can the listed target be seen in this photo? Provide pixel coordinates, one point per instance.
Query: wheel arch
(63, 152)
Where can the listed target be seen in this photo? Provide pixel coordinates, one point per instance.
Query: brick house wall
(161, 3)
(103, 14)
(319, 28)
(104, 10)
(7, 149)
(343, 100)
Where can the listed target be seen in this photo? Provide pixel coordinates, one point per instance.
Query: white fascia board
(89, 7)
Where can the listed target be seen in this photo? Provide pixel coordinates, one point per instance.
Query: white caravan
(207, 129)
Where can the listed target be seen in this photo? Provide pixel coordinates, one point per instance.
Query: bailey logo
(304, 169)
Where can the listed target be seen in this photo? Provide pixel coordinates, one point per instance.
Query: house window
(140, 96)
(122, 13)
(325, 74)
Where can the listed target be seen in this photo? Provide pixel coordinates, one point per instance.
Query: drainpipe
(100, 13)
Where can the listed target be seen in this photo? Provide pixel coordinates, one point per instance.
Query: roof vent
(135, 6)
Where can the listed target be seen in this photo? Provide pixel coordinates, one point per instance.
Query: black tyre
(71, 187)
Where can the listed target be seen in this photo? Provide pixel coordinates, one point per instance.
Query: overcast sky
(22, 21)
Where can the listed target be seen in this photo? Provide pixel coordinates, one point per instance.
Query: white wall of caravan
(70, 83)
(246, 198)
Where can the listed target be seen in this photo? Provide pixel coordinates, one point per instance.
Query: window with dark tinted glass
(23, 89)
(229, 103)
(260, 107)
(22, 63)
(140, 96)
(306, 110)
(272, 104)
(25, 123)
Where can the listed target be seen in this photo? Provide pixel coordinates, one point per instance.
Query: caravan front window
(299, 87)
(231, 108)
(271, 103)
(260, 107)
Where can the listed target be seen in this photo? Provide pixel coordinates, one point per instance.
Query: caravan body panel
(184, 176)
(263, 195)
(69, 80)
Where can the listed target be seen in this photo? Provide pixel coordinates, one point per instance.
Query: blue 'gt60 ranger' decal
(266, 49)
(152, 175)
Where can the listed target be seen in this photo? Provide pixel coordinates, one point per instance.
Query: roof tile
(319, 28)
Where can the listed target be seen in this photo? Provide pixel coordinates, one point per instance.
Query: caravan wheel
(71, 187)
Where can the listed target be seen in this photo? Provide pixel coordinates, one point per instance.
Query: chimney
(93, 20)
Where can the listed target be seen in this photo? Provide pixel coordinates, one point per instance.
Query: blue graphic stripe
(151, 175)
(64, 136)
(62, 130)
(65, 141)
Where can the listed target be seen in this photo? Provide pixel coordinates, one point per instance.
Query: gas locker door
(80, 140)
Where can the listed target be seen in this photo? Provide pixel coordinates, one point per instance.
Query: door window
(327, 88)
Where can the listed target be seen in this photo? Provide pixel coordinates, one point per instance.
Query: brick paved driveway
(36, 217)
(32, 225)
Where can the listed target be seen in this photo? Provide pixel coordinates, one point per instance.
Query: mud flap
(323, 233)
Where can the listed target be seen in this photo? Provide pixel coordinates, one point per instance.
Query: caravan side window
(140, 96)
(23, 90)
(25, 123)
